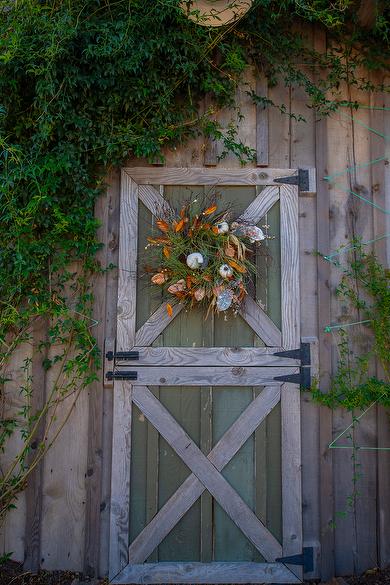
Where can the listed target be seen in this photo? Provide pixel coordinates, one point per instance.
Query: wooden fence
(62, 518)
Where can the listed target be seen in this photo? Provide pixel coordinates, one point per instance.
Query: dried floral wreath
(202, 257)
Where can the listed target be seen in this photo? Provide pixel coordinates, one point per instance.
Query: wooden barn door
(206, 481)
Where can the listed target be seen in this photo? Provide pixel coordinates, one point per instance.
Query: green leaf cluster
(365, 287)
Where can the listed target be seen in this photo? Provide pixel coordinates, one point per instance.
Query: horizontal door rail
(208, 356)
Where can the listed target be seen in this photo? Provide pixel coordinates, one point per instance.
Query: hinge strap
(305, 559)
(301, 179)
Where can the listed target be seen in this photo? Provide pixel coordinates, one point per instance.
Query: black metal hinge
(302, 353)
(301, 179)
(303, 378)
(306, 559)
(118, 375)
(122, 355)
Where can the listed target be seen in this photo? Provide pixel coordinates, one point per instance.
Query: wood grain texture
(210, 356)
(381, 195)
(324, 317)
(12, 533)
(209, 376)
(262, 121)
(127, 286)
(303, 154)
(291, 473)
(152, 199)
(121, 437)
(155, 325)
(32, 561)
(260, 323)
(289, 250)
(202, 176)
(120, 478)
(206, 573)
(210, 150)
(261, 205)
(192, 488)
(112, 251)
(95, 415)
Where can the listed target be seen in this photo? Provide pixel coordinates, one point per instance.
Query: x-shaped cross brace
(205, 474)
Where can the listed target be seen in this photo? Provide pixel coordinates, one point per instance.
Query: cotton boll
(195, 260)
(223, 227)
(226, 271)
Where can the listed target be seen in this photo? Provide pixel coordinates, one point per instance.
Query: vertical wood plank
(289, 251)
(112, 250)
(126, 326)
(210, 148)
(381, 194)
(324, 316)
(12, 532)
(302, 149)
(96, 397)
(290, 393)
(152, 465)
(262, 115)
(32, 559)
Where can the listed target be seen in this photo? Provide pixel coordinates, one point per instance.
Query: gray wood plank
(192, 488)
(152, 469)
(121, 438)
(289, 249)
(206, 573)
(261, 324)
(200, 465)
(210, 151)
(127, 285)
(113, 206)
(155, 325)
(202, 176)
(324, 317)
(261, 205)
(210, 356)
(206, 503)
(207, 376)
(262, 121)
(95, 407)
(120, 478)
(291, 473)
(32, 561)
(152, 199)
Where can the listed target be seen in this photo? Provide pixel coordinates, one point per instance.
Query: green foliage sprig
(365, 286)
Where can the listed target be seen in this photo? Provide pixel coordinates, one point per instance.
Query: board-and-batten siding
(67, 523)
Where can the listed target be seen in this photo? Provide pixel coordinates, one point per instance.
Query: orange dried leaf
(206, 226)
(162, 225)
(182, 212)
(152, 240)
(237, 266)
(188, 281)
(169, 310)
(166, 252)
(215, 230)
(207, 278)
(179, 225)
(210, 210)
(162, 240)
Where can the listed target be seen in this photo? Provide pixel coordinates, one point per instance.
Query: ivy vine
(86, 84)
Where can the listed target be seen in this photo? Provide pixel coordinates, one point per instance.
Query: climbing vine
(84, 85)
(363, 335)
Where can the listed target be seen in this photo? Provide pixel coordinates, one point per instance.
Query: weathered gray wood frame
(121, 571)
